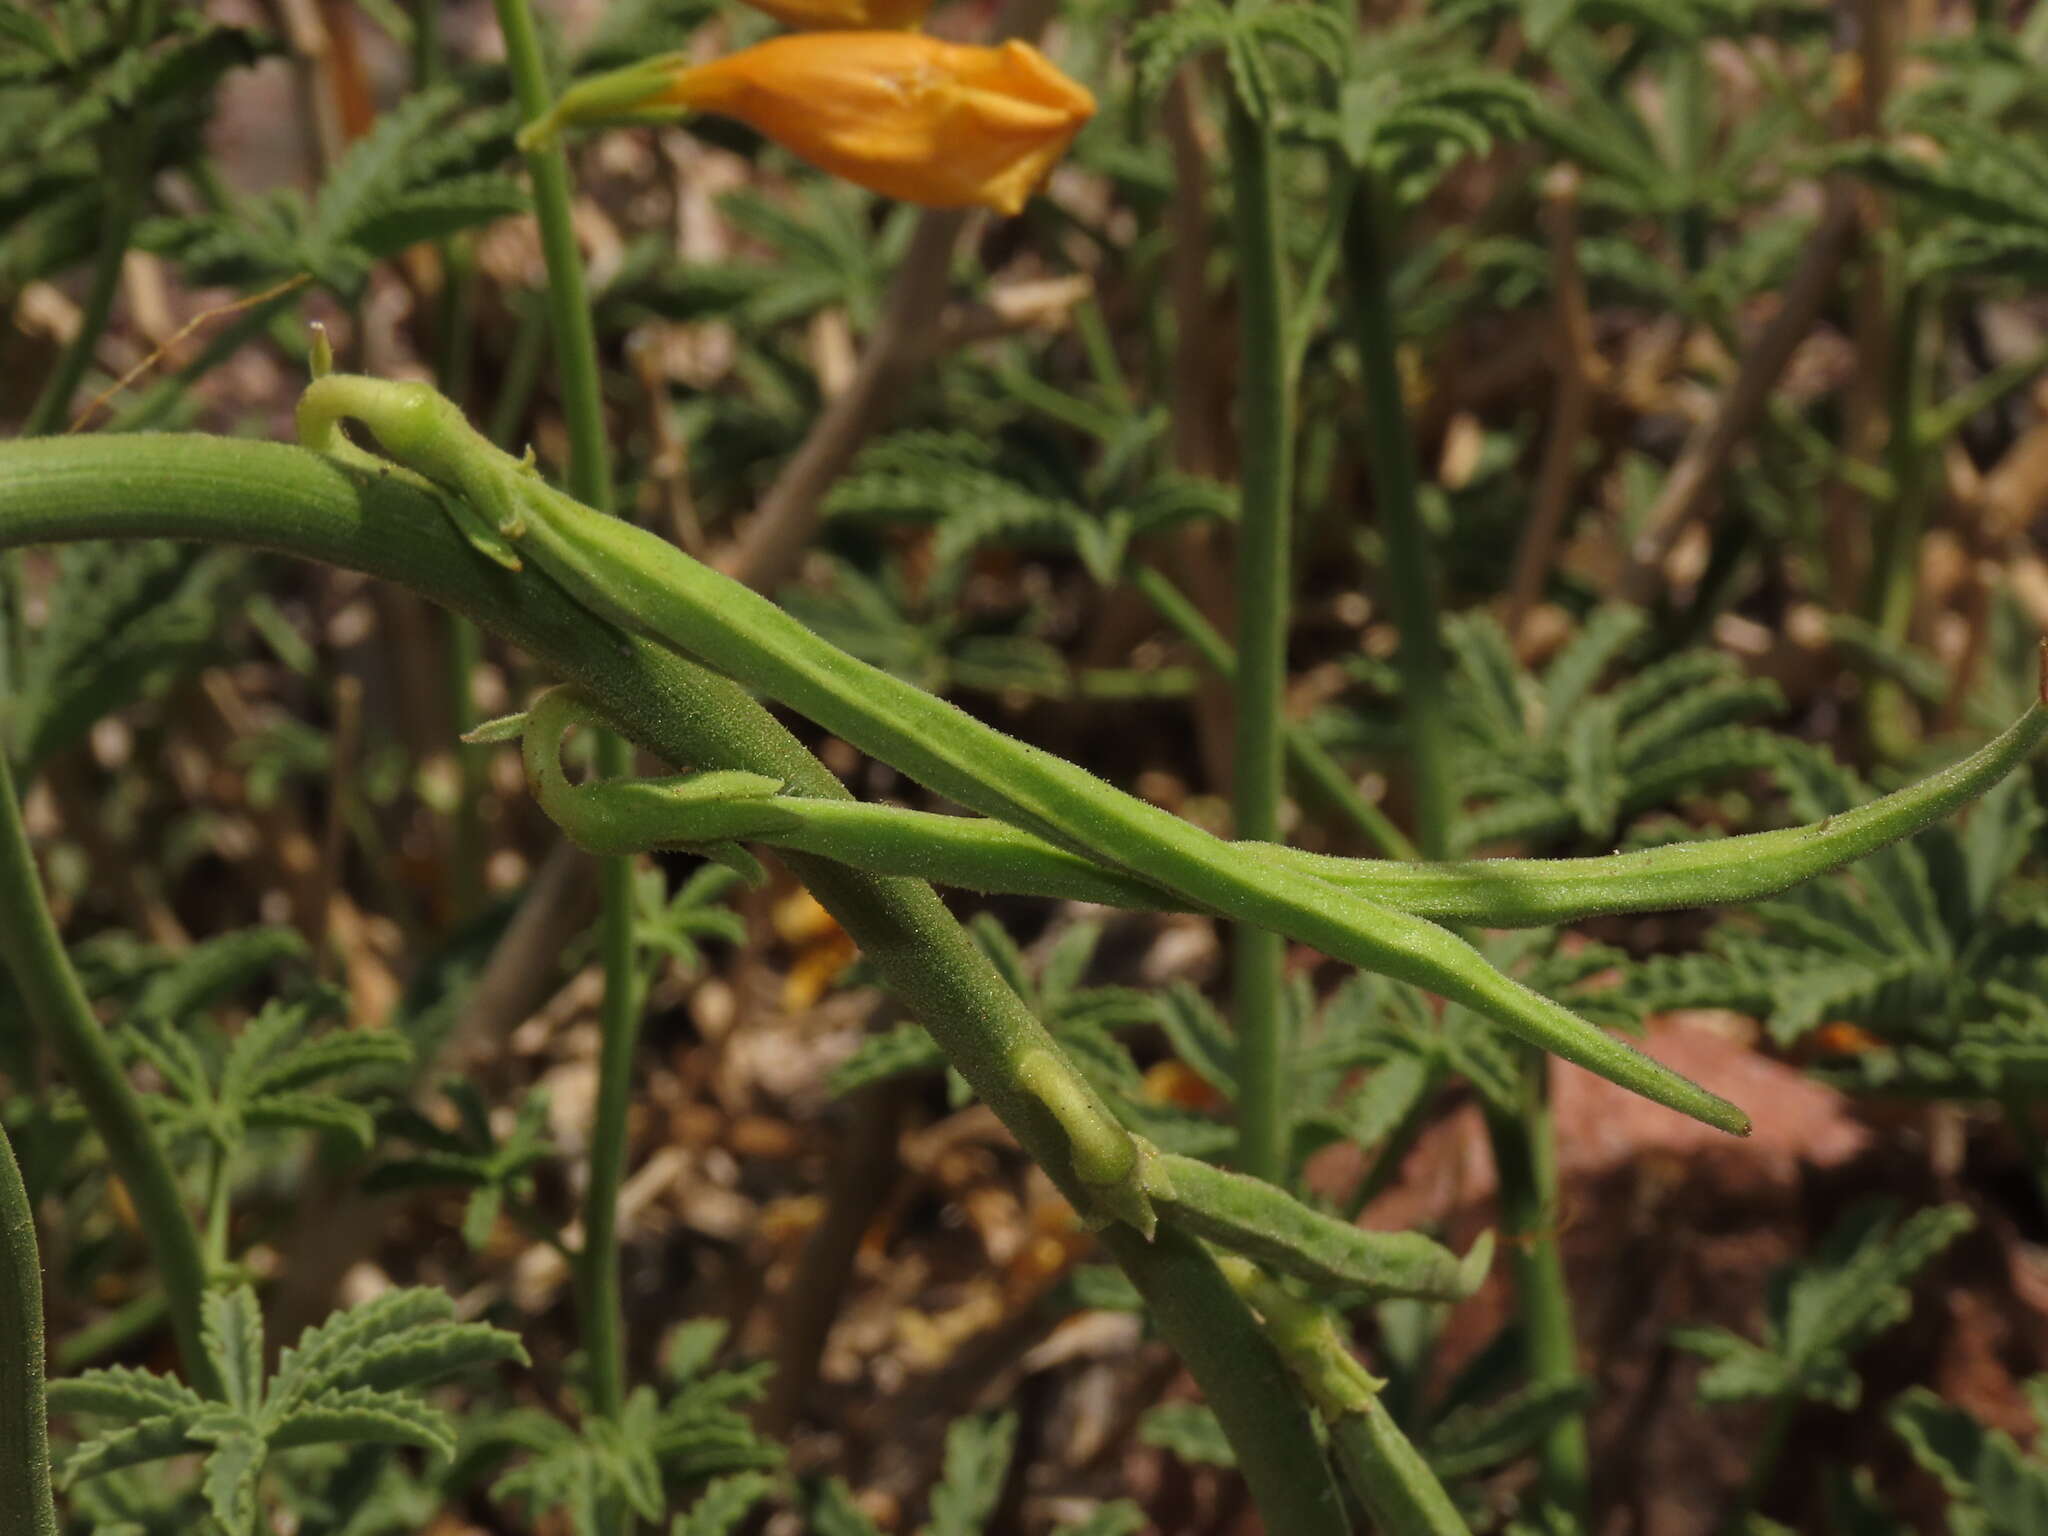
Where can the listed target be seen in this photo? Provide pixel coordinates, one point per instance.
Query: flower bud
(947, 125)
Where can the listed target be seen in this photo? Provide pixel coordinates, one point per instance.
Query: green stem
(453, 346)
(1895, 564)
(1525, 1157)
(302, 504)
(1305, 755)
(1264, 550)
(34, 954)
(1410, 584)
(1391, 1477)
(1522, 1146)
(590, 481)
(1763, 1464)
(129, 152)
(26, 1508)
(217, 1209)
(1393, 1480)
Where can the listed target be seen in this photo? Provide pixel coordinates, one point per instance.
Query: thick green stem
(1410, 584)
(34, 955)
(1391, 1477)
(1393, 1480)
(25, 1505)
(1305, 755)
(1264, 550)
(302, 504)
(590, 480)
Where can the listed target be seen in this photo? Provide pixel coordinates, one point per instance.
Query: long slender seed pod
(649, 586)
(1268, 1225)
(301, 504)
(981, 854)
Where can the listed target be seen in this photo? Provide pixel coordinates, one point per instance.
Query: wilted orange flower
(843, 15)
(943, 124)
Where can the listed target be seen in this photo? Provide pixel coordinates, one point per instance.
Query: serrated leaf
(721, 1507)
(1190, 1431)
(832, 1512)
(231, 1326)
(145, 1441)
(977, 1464)
(122, 1392)
(362, 1416)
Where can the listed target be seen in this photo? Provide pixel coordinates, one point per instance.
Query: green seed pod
(1252, 1217)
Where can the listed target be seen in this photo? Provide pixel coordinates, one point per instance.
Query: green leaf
(121, 1392)
(721, 1507)
(1119, 1517)
(133, 1445)
(978, 1454)
(1190, 1431)
(832, 1512)
(361, 1416)
(231, 1325)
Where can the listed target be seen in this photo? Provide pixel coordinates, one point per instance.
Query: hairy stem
(34, 955)
(1264, 549)
(300, 503)
(25, 1505)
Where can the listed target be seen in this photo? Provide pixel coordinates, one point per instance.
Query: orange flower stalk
(843, 15)
(942, 124)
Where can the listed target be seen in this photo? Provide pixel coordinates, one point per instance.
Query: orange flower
(843, 15)
(902, 114)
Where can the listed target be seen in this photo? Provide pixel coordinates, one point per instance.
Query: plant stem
(1410, 584)
(298, 503)
(1525, 1159)
(1391, 1477)
(1310, 762)
(1264, 551)
(34, 954)
(454, 335)
(25, 1504)
(1763, 1463)
(1523, 1149)
(128, 152)
(590, 481)
(1895, 563)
